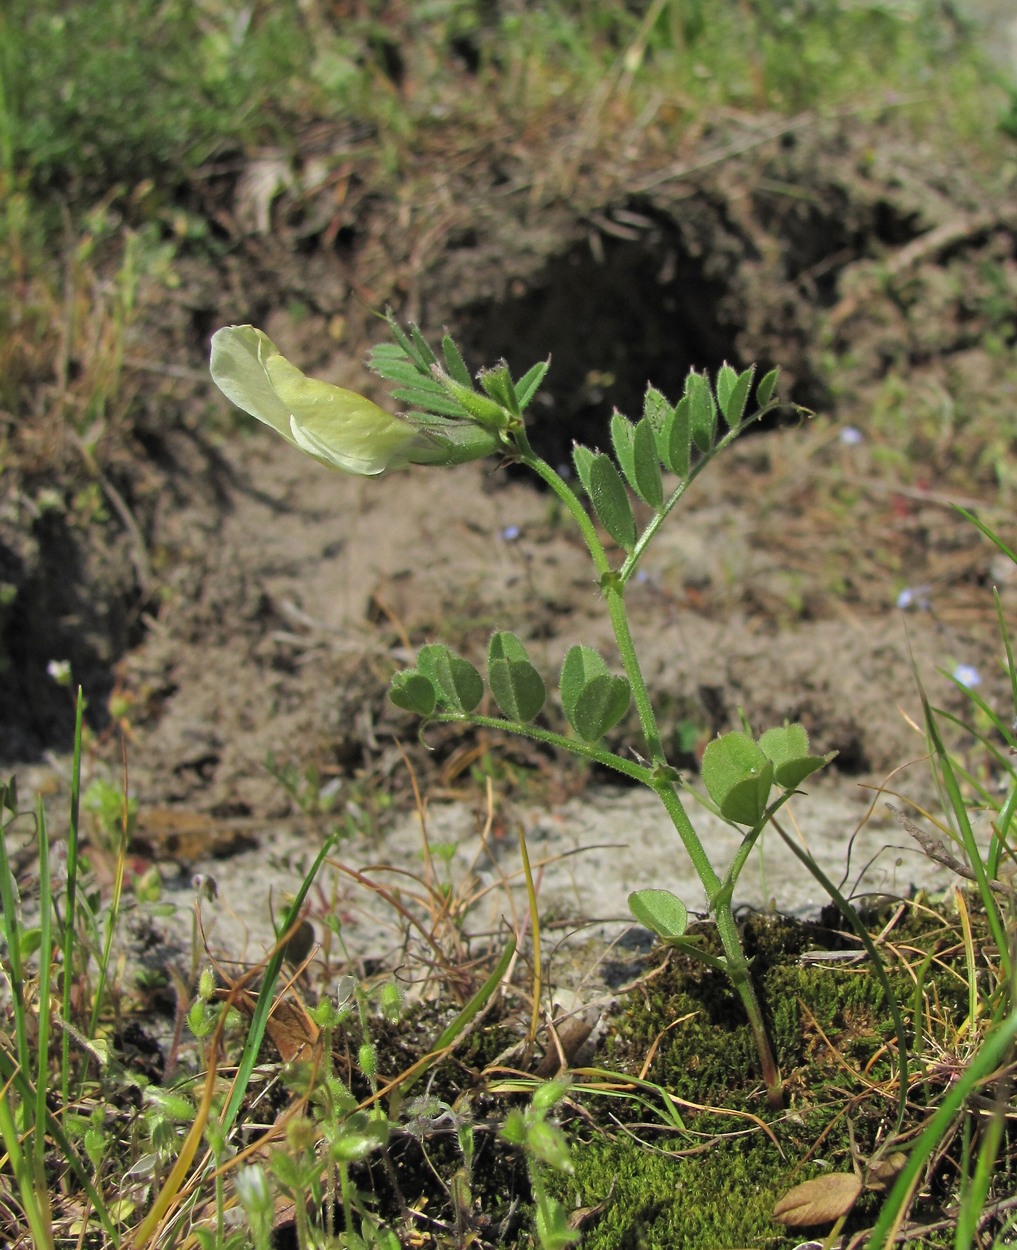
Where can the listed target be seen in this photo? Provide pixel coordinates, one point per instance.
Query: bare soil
(242, 603)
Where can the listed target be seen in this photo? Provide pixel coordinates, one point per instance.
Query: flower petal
(238, 370)
(340, 427)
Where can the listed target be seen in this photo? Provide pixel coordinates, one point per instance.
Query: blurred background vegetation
(115, 115)
(125, 124)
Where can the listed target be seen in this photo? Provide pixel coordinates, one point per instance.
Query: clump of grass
(348, 1111)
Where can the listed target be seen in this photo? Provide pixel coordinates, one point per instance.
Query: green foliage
(545, 1147)
(610, 501)
(738, 776)
(660, 911)
(595, 700)
(737, 772)
(457, 685)
(116, 92)
(516, 685)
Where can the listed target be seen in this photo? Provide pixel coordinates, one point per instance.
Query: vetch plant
(454, 417)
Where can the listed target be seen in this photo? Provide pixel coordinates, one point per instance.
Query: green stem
(613, 586)
(568, 497)
(587, 750)
(736, 965)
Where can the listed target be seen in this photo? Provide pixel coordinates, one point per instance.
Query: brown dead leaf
(819, 1201)
(291, 1030)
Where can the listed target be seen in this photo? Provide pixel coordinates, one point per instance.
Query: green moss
(721, 1195)
(716, 1185)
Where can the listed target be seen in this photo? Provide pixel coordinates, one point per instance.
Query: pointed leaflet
(516, 685)
(611, 501)
(738, 776)
(679, 438)
(622, 435)
(582, 458)
(660, 911)
(497, 382)
(483, 410)
(412, 691)
(766, 387)
(635, 449)
(457, 683)
(527, 385)
(733, 407)
(646, 465)
(453, 360)
(726, 378)
(702, 411)
(659, 413)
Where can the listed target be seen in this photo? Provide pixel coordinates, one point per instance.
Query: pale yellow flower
(339, 428)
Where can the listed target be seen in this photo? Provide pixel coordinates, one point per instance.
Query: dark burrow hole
(614, 315)
(610, 325)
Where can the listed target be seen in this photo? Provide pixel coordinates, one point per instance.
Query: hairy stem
(613, 586)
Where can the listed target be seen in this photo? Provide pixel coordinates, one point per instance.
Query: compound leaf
(738, 776)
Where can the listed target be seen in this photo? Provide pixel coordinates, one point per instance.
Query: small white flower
(851, 436)
(60, 671)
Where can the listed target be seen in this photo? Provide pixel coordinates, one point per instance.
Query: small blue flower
(851, 436)
(510, 533)
(967, 675)
(914, 597)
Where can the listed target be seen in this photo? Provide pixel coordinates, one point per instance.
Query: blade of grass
(45, 969)
(969, 959)
(992, 1053)
(263, 1006)
(976, 1189)
(32, 1187)
(531, 895)
(12, 935)
(992, 537)
(454, 1031)
(70, 902)
(958, 807)
(113, 916)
